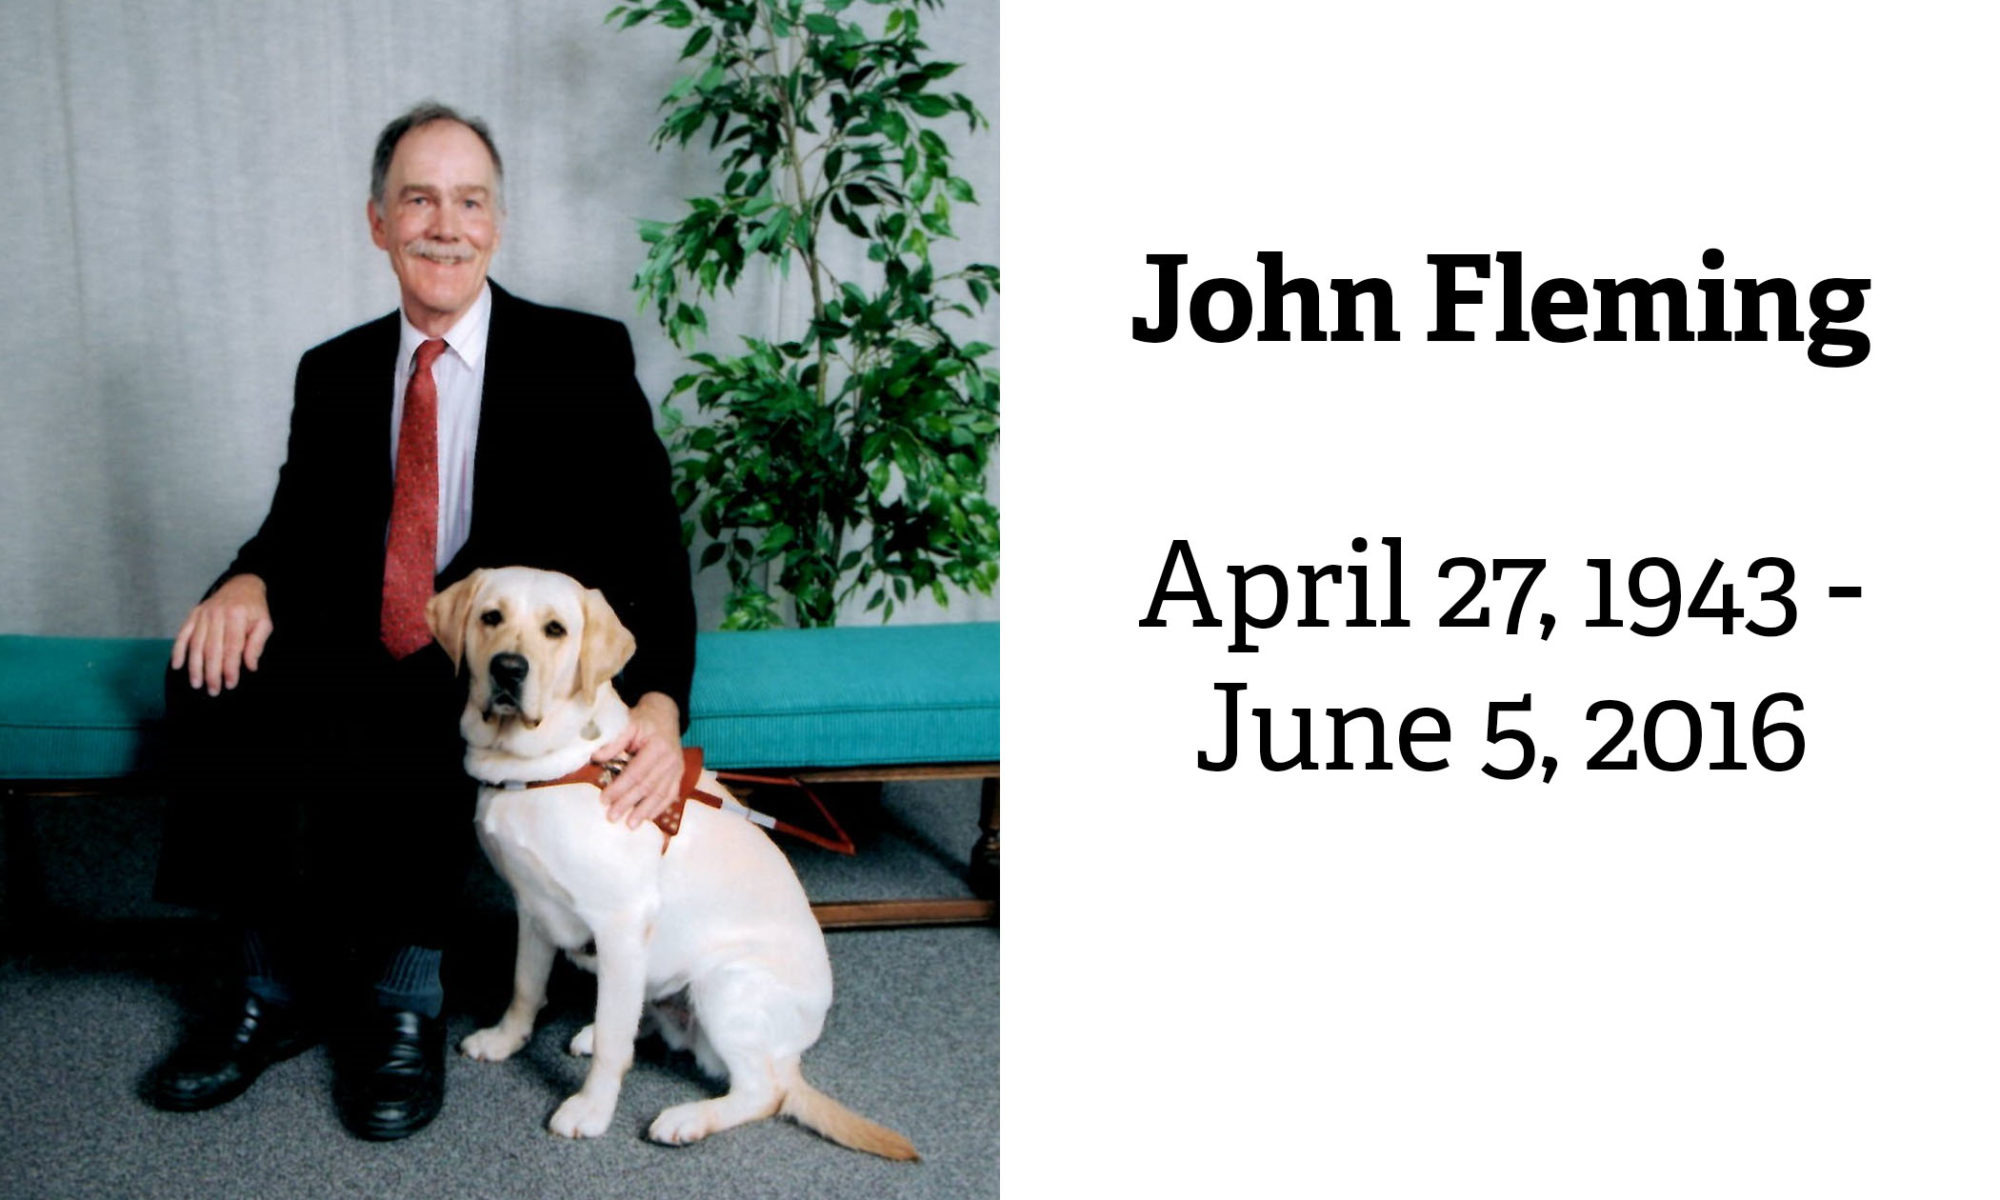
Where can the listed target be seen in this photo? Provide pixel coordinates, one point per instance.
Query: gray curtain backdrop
(188, 217)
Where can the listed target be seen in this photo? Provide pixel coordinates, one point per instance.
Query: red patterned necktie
(409, 573)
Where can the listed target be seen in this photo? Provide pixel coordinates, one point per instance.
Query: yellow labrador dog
(717, 936)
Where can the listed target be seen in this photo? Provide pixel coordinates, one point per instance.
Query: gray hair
(423, 114)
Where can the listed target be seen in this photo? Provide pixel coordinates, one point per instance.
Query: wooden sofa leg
(984, 873)
(24, 902)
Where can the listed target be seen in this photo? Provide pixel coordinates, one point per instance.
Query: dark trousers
(323, 795)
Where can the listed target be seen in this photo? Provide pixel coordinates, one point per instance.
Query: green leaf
(807, 432)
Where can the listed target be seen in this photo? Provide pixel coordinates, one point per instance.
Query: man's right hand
(224, 635)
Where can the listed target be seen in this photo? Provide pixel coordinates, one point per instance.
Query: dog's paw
(492, 1045)
(579, 1117)
(584, 1042)
(679, 1125)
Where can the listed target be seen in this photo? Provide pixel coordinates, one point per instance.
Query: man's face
(441, 223)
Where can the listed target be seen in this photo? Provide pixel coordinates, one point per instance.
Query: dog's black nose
(508, 670)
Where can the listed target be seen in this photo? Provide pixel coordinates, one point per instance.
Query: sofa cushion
(85, 708)
(79, 708)
(848, 696)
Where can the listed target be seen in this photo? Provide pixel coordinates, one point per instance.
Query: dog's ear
(450, 612)
(607, 644)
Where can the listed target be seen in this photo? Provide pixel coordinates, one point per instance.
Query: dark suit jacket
(569, 475)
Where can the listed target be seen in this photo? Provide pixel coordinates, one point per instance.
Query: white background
(1392, 984)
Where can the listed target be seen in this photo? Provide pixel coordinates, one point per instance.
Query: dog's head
(534, 643)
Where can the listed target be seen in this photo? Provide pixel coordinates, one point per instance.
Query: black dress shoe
(225, 1054)
(392, 1081)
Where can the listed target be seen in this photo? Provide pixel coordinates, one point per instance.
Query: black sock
(412, 981)
(261, 973)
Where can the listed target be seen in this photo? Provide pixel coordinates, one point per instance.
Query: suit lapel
(374, 381)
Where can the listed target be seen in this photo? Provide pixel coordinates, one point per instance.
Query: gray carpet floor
(93, 995)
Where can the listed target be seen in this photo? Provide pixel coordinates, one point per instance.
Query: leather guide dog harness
(600, 775)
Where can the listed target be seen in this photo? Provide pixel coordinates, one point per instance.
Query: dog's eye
(554, 629)
(490, 617)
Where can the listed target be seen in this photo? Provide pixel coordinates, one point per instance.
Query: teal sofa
(862, 703)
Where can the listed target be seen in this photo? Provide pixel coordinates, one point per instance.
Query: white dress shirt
(460, 376)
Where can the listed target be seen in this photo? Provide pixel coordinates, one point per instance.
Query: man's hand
(224, 635)
(651, 783)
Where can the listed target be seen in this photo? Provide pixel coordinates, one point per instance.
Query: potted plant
(847, 456)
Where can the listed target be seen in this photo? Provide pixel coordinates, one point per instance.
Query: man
(314, 754)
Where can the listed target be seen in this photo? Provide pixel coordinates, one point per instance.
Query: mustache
(444, 252)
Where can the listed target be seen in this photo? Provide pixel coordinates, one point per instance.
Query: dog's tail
(833, 1120)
